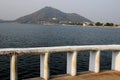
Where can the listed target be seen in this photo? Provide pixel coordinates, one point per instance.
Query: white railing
(44, 52)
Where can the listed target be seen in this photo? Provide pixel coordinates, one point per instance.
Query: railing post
(72, 63)
(116, 60)
(94, 62)
(13, 71)
(44, 66)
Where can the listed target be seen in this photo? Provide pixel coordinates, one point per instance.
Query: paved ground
(107, 75)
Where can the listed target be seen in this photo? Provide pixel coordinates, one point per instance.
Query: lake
(13, 35)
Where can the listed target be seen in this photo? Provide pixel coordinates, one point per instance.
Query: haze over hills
(1, 21)
(4, 21)
(49, 15)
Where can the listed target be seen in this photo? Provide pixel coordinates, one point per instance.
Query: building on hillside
(85, 24)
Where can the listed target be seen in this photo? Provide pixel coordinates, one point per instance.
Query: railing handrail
(72, 51)
(40, 50)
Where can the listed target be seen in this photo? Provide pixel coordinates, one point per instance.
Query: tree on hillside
(109, 24)
(91, 24)
(98, 24)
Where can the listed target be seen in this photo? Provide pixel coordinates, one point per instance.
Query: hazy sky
(95, 10)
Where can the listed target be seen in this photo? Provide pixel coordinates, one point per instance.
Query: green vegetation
(109, 24)
(99, 24)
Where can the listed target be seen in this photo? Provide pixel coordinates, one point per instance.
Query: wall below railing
(72, 51)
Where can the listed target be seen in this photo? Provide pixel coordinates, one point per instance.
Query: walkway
(107, 75)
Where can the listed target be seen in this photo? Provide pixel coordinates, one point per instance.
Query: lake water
(29, 35)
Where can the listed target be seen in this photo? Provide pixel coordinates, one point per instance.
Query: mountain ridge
(51, 15)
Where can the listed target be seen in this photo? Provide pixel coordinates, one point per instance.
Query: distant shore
(72, 25)
(103, 26)
(95, 26)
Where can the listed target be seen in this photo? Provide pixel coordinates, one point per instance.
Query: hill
(2, 21)
(49, 15)
(5, 21)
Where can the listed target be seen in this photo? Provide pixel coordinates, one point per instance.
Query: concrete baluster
(94, 62)
(116, 60)
(44, 66)
(72, 63)
(13, 71)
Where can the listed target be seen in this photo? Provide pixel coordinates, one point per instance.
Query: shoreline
(104, 26)
(72, 25)
(95, 26)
